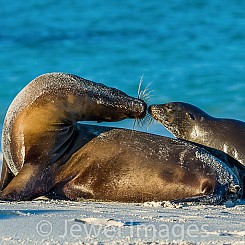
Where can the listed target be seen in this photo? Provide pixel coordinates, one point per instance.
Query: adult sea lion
(218, 135)
(132, 166)
(40, 128)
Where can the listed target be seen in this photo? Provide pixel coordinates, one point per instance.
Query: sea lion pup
(224, 138)
(40, 130)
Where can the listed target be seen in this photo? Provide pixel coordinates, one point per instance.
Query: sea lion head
(91, 101)
(110, 105)
(183, 120)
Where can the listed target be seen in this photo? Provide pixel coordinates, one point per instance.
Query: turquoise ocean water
(192, 51)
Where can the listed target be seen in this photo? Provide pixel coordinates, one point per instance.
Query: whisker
(140, 84)
(145, 94)
(147, 120)
(147, 87)
(151, 121)
(148, 93)
(146, 97)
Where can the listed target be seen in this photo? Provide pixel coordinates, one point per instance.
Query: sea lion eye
(191, 116)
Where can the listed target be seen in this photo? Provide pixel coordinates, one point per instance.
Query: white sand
(65, 222)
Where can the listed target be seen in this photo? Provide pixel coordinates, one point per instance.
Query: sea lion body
(218, 135)
(40, 127)
(132, 166)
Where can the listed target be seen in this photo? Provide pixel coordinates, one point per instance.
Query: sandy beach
(64, 222)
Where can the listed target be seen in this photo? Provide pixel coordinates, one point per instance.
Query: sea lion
(40, 129)
(223, 137)
(133, 166)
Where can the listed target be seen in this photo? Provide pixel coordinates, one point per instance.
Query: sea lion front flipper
(26, 185)
(6, 175)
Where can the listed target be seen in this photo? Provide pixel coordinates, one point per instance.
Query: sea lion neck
(46, 112)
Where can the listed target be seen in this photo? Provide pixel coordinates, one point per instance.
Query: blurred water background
(191, 51)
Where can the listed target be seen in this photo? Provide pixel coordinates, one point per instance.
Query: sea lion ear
(191, 116)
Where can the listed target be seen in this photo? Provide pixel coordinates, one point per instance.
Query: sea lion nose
(155, 110)
(136, 109)
(142, 107)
